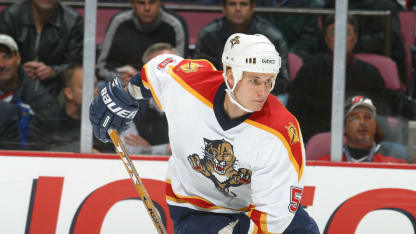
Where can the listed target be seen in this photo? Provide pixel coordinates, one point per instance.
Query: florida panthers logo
(235, 41)
(189, 67)
(292, 133)
(218, 163)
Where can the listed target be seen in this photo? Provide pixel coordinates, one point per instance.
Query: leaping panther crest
(219, 161)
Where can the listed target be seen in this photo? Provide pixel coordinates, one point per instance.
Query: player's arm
(276, 188)
(154, 79)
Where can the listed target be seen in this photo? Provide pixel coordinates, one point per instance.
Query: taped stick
(144, 196)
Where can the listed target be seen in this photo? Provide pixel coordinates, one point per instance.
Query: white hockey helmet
(252, 53)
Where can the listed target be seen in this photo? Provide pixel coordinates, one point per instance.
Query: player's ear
(230, 77)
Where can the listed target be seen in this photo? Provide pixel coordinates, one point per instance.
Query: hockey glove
(113, 108)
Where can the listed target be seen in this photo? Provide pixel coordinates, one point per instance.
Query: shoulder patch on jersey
(292, 133)
(189, 67)
(165, 62)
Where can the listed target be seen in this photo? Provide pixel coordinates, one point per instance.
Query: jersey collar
(224, 121)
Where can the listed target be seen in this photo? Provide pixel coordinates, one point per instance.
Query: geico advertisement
(45, 193)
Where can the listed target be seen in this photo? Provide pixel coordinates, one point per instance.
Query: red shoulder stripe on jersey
(260, 219)
(277, 120)
(297, 152)
(199, 78)
(190, 89)
(194, 200)
(148, 85)
(298, 165)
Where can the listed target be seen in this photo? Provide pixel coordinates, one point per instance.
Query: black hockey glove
(113, 108)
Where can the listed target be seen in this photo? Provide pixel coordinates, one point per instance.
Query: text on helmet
(268, 61)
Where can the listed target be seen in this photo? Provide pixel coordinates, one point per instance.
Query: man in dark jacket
(239, 17)
(131, 32)
(301, 31)
(49, 35)
(372, 30)
(58, 129)
(311, 92)
(20, 99)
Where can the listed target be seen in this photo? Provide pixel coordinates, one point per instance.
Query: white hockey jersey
(252, 164)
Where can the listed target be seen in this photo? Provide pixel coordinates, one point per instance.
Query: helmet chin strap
(230, 91)
(230, 94)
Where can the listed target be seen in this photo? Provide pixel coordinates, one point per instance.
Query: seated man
(372, 30)
(20, 98)
(301, 31)
(58, 129)
(239, 17)
(310, 95)
(363, 137)
(60, 126)
(50, 37)
(131, 32)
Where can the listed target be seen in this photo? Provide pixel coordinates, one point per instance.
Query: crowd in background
(41, 46)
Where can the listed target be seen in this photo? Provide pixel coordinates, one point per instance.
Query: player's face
(44, 4)
(360, 128)
(9, 62)
(238, 11)
(352, 38)
(253, 89)
(146, 10)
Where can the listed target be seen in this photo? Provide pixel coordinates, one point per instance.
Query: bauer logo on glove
(114, 108)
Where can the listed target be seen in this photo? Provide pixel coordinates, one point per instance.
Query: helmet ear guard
(252, 53)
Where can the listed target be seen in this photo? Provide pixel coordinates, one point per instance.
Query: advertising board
(45, 193)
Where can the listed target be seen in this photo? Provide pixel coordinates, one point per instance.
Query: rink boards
(45, 193)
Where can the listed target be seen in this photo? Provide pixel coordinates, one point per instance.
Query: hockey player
(237, 153)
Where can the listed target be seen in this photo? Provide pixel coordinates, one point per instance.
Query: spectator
(372, 30)
(131, 32)
(20, 98)
(239, 17)
(301, 31)
(311, 91)
(59, 128)
(49, 35)
(73, 81)
(148, 134)
(363, 136)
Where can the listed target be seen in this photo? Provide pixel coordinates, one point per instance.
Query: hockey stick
(144, 196)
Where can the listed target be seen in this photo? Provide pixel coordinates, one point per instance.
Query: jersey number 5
(295, 196)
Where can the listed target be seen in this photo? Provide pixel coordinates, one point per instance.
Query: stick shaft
(144, 196)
